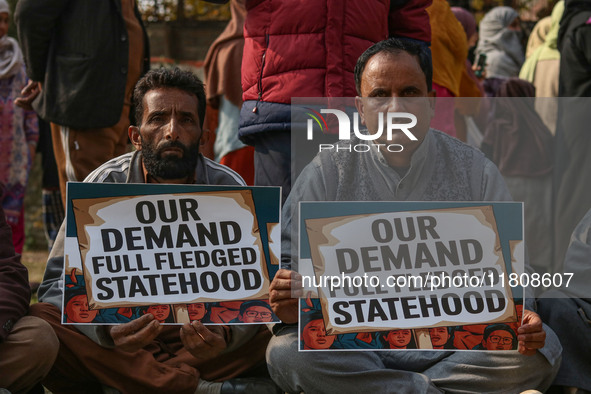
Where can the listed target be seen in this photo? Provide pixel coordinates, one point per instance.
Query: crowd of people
(501, 115)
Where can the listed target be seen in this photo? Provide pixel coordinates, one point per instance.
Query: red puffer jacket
(308, 48)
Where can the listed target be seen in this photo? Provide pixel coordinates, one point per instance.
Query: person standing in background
(51, 197)
(84, 59)
(296, 48)
(18, 132)
(572, 160)
(519, 143)
(470, 86)
(449, 47)
(537, 37)
(224, 94)
(542, 69)
(500, 42)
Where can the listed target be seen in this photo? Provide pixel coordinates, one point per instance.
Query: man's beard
(171, 166)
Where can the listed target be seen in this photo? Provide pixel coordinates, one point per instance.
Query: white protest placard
(170, 248)
(409, 269)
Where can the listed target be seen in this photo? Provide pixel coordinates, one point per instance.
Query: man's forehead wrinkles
(169, 110)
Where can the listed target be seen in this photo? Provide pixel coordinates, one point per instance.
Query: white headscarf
(501, 45)
(4, 7)
(11, 57)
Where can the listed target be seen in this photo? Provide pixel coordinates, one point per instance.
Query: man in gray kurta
(434, 167)
(568, 311)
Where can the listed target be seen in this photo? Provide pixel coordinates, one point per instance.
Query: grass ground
(35, 253)
(35, 262)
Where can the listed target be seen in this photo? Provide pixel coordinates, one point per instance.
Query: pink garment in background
(444, 111)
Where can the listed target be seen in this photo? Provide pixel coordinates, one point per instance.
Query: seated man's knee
(45, 341)
(30, 351)
(281, 350)
(42, 344)
(283, 359)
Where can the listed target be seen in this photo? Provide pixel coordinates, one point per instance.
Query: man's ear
(432, 97)
(134, 136)
(205, 137)
(360, 108)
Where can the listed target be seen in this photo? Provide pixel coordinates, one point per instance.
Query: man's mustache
(172, 144)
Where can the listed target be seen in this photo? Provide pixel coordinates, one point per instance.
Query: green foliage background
(170, 10)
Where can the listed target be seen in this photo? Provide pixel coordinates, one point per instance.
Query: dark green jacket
(78, 50)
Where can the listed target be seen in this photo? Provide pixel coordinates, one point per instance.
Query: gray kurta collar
(414, 181)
